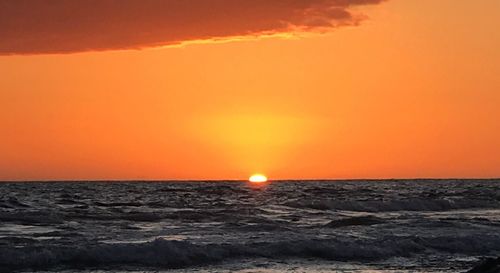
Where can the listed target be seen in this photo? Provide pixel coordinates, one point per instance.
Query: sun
(258, 178)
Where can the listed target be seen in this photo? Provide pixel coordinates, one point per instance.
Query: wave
(166, 254)
(491, 265)
(12, 202)
(51, 218)
(394, 205)
(30, 217)
(59, 217)
(354, 221)
(119, 204)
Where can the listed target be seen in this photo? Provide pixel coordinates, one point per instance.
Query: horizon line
(243, 180)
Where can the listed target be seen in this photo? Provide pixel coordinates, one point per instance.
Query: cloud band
(65, 26)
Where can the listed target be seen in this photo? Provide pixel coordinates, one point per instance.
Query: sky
(222, 89)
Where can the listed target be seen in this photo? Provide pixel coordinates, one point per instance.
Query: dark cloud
(64, 26)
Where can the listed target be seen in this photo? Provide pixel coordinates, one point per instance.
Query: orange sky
(412, 91)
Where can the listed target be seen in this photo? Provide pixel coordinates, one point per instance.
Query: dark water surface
(352, 226)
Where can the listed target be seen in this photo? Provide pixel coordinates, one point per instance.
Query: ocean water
(295, 226)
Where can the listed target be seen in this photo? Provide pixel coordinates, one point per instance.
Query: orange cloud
(65, 26)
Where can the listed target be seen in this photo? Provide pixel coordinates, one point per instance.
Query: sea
(234, 226)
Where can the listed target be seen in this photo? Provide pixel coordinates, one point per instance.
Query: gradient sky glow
(346, 89)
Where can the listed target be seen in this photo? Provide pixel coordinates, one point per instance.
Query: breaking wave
(395, 205)
(166, 254)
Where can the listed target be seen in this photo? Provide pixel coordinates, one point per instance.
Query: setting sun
(257, 178)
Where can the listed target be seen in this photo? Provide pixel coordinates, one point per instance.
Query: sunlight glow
(257, 178)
